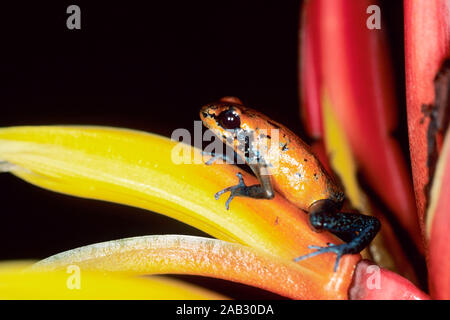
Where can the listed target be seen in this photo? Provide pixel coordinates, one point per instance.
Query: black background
(148, 67)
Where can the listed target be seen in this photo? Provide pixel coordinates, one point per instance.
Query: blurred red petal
(354, 68)
(387, 251)
(310, 71)
(371, 282)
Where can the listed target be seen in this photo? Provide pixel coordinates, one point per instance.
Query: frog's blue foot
(236, 190)
(356, 229)
(340, 250)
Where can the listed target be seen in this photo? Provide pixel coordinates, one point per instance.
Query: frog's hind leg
(356, 229)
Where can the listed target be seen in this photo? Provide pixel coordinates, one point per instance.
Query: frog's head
(251, 134)
(246, 130)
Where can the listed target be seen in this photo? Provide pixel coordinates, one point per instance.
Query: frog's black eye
(229, 120)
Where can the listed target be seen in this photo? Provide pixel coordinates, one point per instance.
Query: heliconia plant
(258, 238)
(349, 110)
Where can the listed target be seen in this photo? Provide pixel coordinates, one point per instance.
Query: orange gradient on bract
(196, 256)
(136, 168)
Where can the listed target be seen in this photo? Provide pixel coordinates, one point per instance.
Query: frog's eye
(229, 120)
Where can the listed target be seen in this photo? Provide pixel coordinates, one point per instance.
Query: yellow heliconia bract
(136, 168)
(17, 282)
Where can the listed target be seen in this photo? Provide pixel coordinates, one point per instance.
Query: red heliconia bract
(342, 57)
(427, 45)
(371, 282)
(310, 72)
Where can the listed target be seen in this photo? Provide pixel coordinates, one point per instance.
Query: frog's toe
(234, 191)
(340, 250)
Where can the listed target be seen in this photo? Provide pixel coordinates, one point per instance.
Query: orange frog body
(283, 162)
(298, 175)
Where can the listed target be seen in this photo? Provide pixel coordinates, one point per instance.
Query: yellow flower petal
(17, 283)
(136, 169)
(341, 158)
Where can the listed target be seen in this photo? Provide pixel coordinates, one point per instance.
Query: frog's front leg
(356, 229)
(264, 190)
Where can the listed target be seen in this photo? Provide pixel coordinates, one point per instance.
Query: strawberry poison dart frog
(298, 175)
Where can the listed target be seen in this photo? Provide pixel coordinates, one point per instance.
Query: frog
(290, 168)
